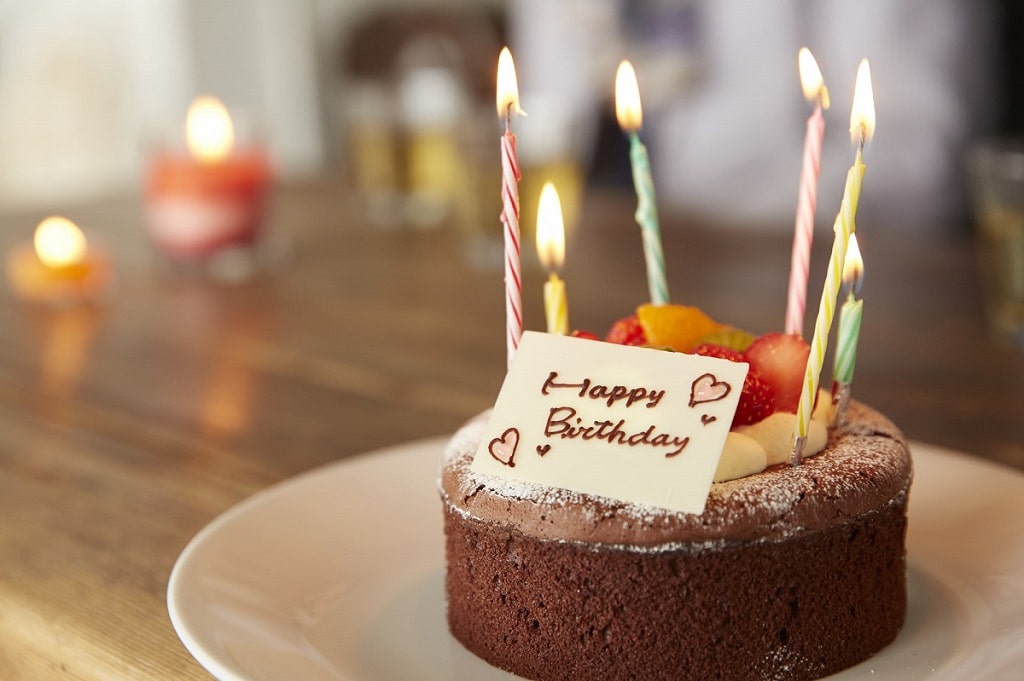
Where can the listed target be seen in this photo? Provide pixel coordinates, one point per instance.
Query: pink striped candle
(803, 234)
(862, 126)
(508, 103)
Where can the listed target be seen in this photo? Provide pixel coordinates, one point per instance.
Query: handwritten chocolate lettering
(610, 395)
(564, 423)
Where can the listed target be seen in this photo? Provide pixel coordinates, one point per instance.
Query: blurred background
(395, 98)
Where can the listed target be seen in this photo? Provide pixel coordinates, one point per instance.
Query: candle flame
(550, 228)
(811, 80)
(508, 85)
(862, 113)
(59, 242)
(627, 98)
(210, 132)
(853, 265)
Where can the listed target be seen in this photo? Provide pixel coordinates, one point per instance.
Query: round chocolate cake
(793, 573)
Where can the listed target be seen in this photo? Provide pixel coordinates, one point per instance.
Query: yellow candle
(551, 250)
(556, 307)
(862, 126)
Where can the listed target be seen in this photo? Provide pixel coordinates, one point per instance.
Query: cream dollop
(751, 449)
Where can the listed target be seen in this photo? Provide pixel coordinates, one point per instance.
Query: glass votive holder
(206, 196)
(996, 173)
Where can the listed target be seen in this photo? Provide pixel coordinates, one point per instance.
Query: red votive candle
(210, 197)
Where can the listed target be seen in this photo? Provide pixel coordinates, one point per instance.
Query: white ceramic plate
(337, 575)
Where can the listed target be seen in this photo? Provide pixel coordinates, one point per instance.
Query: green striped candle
(630, 117)
(850, 315)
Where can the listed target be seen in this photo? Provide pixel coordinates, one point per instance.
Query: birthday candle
(850, 315)
(630, 117)
(862, 125)
(803, 232)
(508, 103)
(551, 251)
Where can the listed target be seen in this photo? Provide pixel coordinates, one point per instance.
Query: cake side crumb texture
(794, 573)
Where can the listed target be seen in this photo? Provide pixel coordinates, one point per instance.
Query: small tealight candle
(551, 250)
(213, 196)
(59, 267)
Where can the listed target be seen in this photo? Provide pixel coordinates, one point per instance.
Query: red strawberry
(627, 331)
(757, 401)
(781, 360)
(719, 351)
(579, 333)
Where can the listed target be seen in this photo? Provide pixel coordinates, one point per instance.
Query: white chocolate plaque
(634, 424)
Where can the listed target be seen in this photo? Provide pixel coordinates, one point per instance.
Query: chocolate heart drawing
(543, 449)
(503, 448)
(707, 388)
(705, 419)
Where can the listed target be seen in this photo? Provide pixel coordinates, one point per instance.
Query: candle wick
(508, 118)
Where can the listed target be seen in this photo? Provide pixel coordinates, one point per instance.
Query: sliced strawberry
(757, 401)
(719, 351)
(580, 333)
(627, 331)
(781, 360)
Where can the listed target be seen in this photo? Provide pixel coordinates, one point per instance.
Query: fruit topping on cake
(780, 359)
(762, 426)
(627, 331)
(675, 327)
(757, 399)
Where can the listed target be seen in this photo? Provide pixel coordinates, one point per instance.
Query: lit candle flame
(59, 242)
(853, 265)
(210, 133)
(508, 85)
(811, 80)
(550, 229)
(627, 98)
(862, 113)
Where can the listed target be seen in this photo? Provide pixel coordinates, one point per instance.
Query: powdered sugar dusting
(857, 473)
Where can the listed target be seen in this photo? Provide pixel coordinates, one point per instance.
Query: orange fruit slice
(678, 327)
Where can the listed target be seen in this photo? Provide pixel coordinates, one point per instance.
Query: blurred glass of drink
(996, 171)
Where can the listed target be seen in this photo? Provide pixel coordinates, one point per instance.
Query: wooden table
(124, 430)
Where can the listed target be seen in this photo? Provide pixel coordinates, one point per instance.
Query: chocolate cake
(793, 573)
